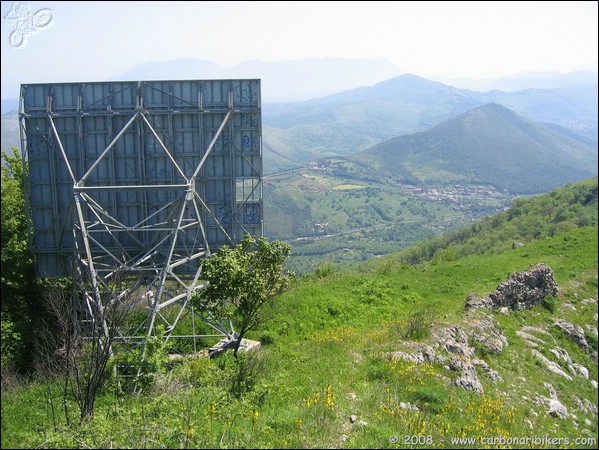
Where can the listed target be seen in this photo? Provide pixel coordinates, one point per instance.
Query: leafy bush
(372, 291)
(19, 288)
(134, 374)
(266, 339)
(11, 344)
(410, 297)
(443, 255)
(324, 270)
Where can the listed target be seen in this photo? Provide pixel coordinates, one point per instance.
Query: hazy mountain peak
(291, 80)
(176, 69)
(411, 81)
(489, 144)
(492, 109)
(405, 88)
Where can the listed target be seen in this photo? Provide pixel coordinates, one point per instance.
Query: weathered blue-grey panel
(184, 118)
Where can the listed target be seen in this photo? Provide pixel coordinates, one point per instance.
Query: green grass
(323, 364)
(324, 356)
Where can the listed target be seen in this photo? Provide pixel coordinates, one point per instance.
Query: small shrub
(12, 380)
(198, 371)
(332, 311)
(481, 350)
(443, 255)
(241, 371)
(11, 344)
(133, 374)
(386, 267)
(417, 327)
(266, 339)
(591, 339)
(324, 270)
(374, 292)
(549, 303)
(410, 297)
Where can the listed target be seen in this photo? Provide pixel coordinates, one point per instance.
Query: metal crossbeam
(140, 195)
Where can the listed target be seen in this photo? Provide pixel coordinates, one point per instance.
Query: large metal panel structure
(141, 178)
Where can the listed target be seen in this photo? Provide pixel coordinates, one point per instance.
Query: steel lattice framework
(141, 179)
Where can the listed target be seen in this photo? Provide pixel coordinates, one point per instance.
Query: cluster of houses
(461, 196)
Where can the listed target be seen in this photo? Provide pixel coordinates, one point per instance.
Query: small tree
(78, 346)
(18, 282)
(243, 281)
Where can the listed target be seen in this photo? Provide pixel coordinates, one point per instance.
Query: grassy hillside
(324, 378)
(487, 145)
(528, 219)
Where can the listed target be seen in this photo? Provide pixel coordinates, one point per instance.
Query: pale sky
(94, 41)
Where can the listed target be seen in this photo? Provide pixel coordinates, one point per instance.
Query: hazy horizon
(96, 41)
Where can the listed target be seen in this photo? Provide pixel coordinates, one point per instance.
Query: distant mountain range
(522, 81)
(282, 81)
(345, 123)
(298, 80)
(489, 145)
(353, 120)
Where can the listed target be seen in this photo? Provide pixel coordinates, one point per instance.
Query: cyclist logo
(23, 22)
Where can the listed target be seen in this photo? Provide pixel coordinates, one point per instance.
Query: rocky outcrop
(492, 374)
(454, 347)
(555, 408)
(561, 355)
(585, 406)
(474, 302)
(575, 333)
(530, 339)
(483, 330)
(522, 290)
(454, 341)
(551, 366)
(579, 369)
(419, 357)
